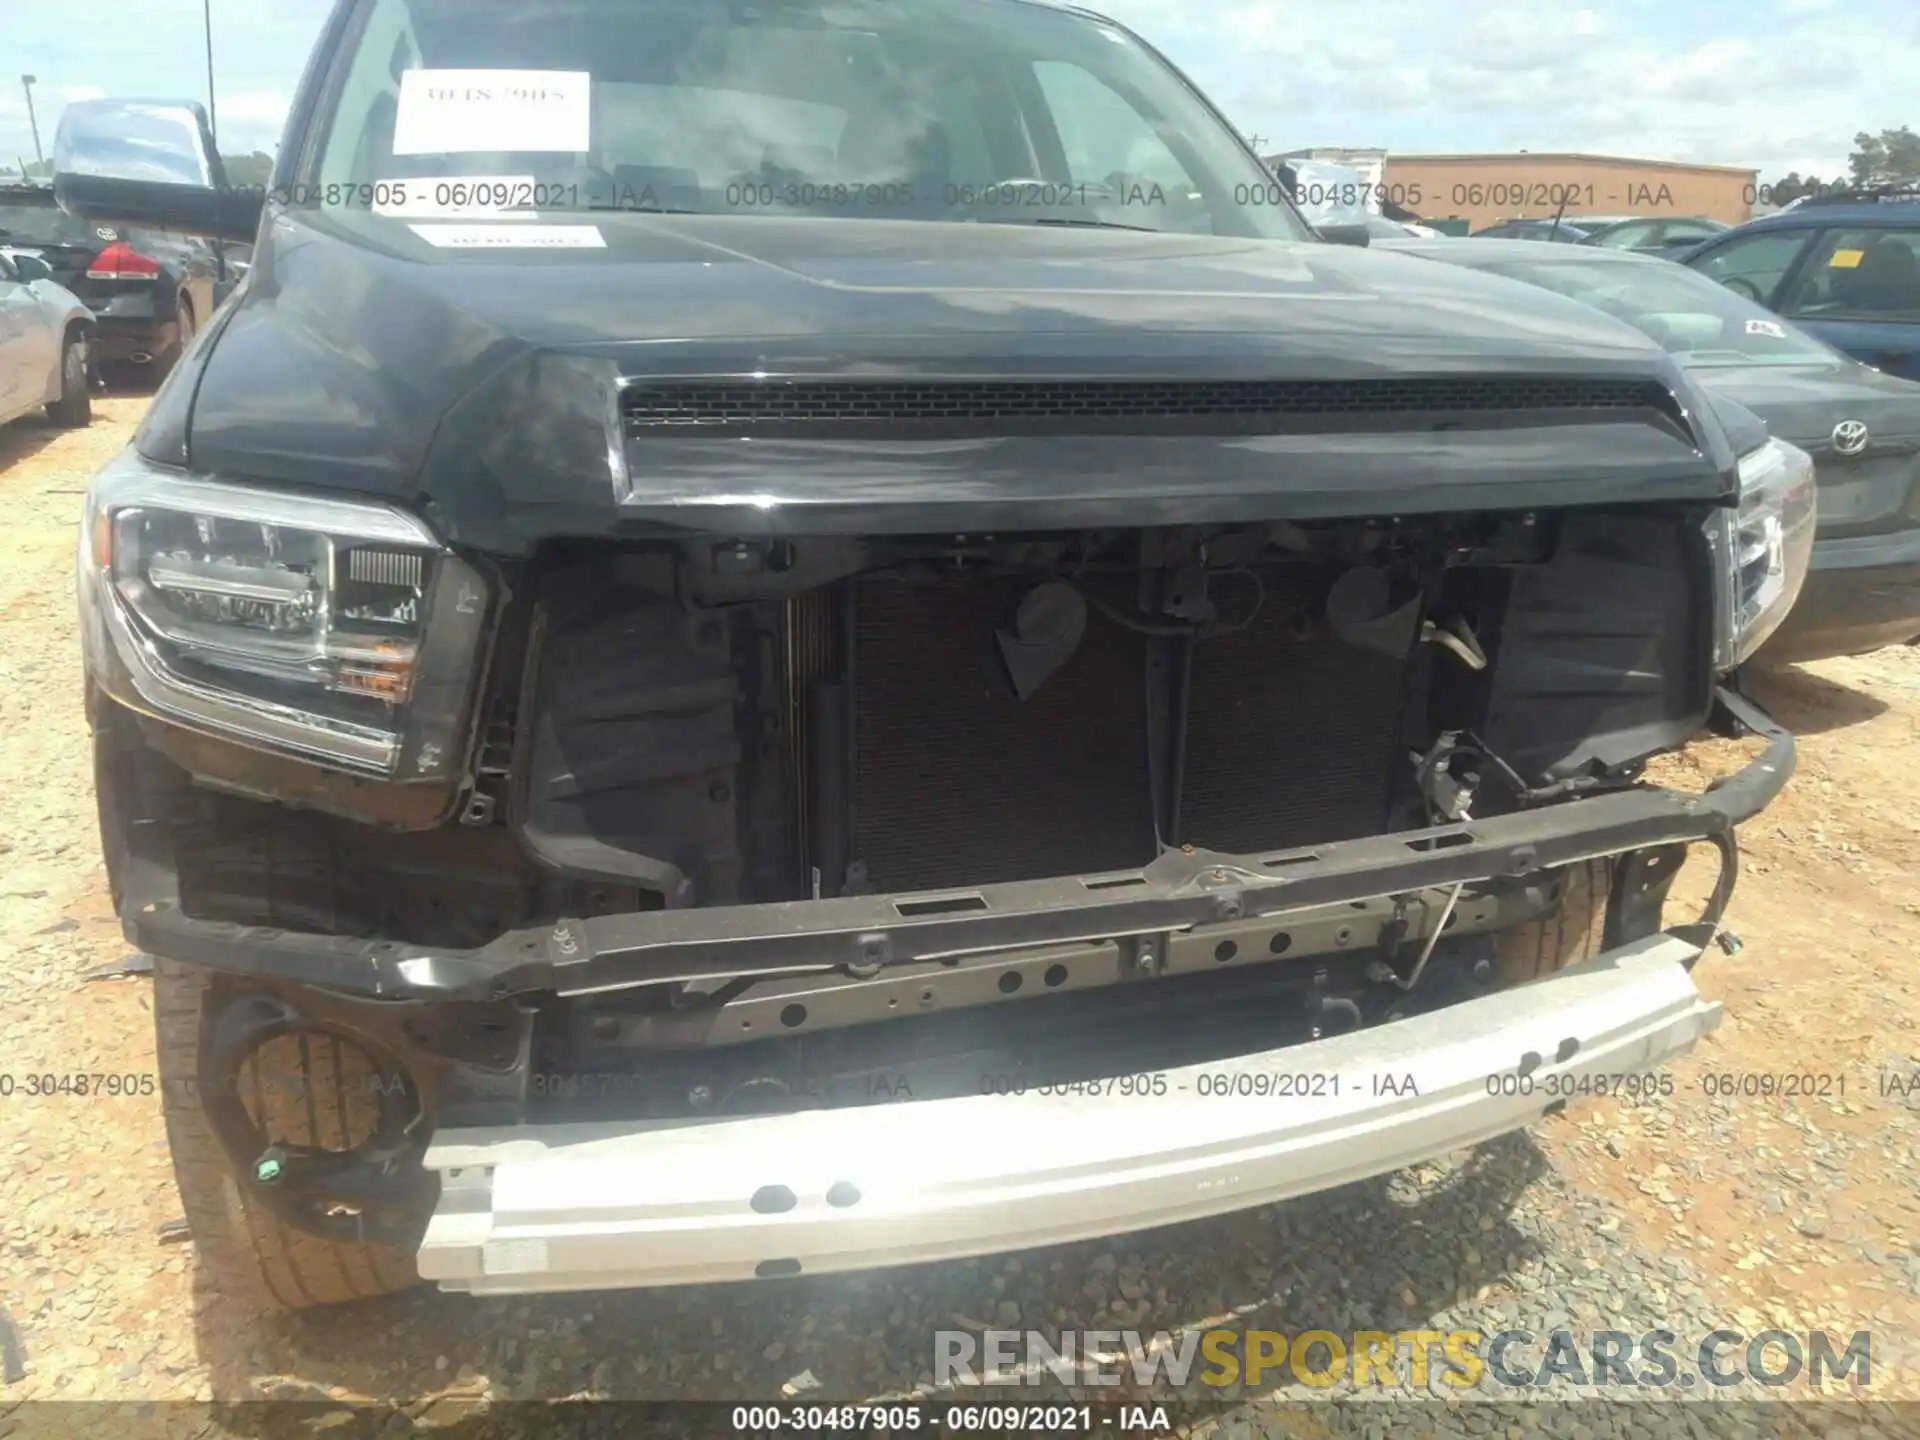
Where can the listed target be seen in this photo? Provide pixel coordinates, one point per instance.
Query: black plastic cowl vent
(1108, 406)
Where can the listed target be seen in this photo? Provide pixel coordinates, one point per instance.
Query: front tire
(74, 409)
(307, 1090)
(1574, 930)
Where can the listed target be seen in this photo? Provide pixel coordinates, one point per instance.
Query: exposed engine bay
(735, 724)
(703, 724)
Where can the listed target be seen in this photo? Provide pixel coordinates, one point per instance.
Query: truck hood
(475, 369)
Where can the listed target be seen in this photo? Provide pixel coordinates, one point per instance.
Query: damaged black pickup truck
(784, 636)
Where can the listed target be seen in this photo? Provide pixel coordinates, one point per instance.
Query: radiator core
(956, 782)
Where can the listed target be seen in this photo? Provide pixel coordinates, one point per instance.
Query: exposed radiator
(1289, 741)
(955, 781)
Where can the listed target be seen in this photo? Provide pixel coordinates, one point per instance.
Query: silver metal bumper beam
(575, 1207)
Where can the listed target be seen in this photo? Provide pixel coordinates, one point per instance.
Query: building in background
(1484, 189)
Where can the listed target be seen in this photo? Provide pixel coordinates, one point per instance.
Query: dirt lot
(1747, 1211)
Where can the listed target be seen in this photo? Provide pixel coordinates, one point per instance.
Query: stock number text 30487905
(1209, 1085)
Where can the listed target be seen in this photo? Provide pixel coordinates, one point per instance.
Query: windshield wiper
(1072, 223)
(644, 210)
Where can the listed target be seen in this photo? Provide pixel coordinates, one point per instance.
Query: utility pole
(213, 128)
(27, 82)
(1256, 141)
(213, 118)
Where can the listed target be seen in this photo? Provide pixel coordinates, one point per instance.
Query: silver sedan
(44, 331)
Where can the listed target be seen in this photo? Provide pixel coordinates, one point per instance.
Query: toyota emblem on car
(1850, 437)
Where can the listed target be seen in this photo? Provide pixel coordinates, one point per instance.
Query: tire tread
(249, 1253)
(1572, 931)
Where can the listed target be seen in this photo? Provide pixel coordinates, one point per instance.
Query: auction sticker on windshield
(444, 112)
(512, 237)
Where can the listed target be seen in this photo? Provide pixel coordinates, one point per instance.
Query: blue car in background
(1844, 266)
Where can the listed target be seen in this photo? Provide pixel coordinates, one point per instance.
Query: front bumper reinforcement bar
(1175, 892)
(588, 1206)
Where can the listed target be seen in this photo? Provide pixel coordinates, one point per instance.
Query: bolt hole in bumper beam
(1175, 893)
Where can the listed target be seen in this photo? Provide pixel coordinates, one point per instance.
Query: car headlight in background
(1764, 548)
(337, 631)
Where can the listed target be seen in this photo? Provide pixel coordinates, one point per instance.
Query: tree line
(1876, 160)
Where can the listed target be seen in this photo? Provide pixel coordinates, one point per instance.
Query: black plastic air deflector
(633, 765)
(1604, 653)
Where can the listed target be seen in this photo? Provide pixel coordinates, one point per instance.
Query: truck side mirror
(149, 163)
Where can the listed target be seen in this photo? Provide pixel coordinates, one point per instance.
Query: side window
(1860, 274)
(1109, 143)
(957, 106)
(1753, 267)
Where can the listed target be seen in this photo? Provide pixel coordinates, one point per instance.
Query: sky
(1774, 84)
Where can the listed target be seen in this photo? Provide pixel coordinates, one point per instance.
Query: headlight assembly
(337, 631)
(1763, 549)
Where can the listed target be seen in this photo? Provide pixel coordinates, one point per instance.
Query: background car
(1564, 232)
(148, 289)
(1666, 236)
(1647, 235)
(1844, 266)
(1861, 426)
(44, 330)
(1380, 229)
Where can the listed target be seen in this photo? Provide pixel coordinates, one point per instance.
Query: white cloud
(1710, 80)
(251, 120)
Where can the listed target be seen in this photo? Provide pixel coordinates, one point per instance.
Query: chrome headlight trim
(1763, 549)
(422, 744)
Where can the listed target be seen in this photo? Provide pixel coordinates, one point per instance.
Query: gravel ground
(1692, 1213)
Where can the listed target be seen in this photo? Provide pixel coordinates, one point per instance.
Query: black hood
(1745, 431)
(483, 384)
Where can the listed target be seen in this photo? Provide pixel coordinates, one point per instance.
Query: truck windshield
(954, 110)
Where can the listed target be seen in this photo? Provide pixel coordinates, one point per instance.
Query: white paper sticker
(459, 197)
(513, 1257)
(1769, 328)
(446, 112)
(512, 237)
